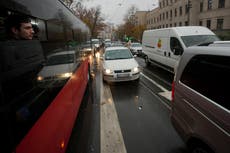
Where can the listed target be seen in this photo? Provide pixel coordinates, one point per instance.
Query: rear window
(209, 75)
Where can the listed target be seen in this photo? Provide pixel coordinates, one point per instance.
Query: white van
(163, 47)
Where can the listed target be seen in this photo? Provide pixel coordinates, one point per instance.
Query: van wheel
(147, 61)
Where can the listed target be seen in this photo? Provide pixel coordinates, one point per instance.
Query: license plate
(122, 75)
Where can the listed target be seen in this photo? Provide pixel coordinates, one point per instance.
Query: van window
(209, 75)
(175, 45)
(198, 39)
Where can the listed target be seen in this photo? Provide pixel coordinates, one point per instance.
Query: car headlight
(108, 71)
(66, 75)
(135, 69)
(97, 54)
(40, 78)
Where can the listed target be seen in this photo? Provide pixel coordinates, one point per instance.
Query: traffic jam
(76, 79)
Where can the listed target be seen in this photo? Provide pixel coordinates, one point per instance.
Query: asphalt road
(129, 117)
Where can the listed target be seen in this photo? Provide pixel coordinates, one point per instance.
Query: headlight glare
(39, 78)
(66, 75)
(135, 69)
(108, 71)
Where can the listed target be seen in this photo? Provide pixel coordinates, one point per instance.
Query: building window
(163, 3)
(174, 24)
(167, 3)
(209, 4)
(186, 9)
(180, 9)
(186, 23)
(180, 23)
(220, 23)
(170, 24)
(160, 17)
(209, 24)
(175, 12)
(167, 15)
(201, 6)
(163, 16)
(170, 13)
(221, 4)
(166, 25)
(200, 23)
(160, 4)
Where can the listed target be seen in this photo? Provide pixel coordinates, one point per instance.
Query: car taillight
(173, 90)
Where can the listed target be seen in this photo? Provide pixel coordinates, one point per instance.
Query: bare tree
(91, 17)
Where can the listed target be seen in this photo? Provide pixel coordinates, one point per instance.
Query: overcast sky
(113, 11)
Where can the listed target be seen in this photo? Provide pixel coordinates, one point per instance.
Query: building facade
(214, 14)
(140, 18)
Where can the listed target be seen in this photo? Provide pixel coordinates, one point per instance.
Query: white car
(119, 65)
(57, 69)
(136, 48)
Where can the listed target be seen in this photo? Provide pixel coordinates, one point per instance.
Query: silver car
(119, 65)
(57, 69)
(201, 99)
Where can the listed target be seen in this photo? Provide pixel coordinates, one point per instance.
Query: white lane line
(156, 96)
(166, 93)
(111, 137)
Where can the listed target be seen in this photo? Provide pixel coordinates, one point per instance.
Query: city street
(131, 116)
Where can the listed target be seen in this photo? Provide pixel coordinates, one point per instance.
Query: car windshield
(60, 59)
(197, 39)
(136, 45)
(118, 54)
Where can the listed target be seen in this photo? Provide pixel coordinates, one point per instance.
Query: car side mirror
(178, 51)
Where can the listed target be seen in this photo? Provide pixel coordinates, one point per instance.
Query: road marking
(166, 93)
(156, 96)
(111, 137)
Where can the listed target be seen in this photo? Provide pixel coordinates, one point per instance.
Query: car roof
(207, 50)
(115, 48)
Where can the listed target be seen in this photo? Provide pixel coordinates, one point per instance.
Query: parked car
(200, 99)
(57, 69)
(136, 48)
(119, 65)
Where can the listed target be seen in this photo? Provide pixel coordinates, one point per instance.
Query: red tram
(35, 119)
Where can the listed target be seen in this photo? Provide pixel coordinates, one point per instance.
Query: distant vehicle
(119, 65)
(200, 99)
(136, 48)
(95, 44)
(108, 42)
(117, 44)
(86, 49)
(164, 47)
(57, 70)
